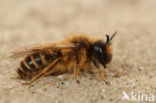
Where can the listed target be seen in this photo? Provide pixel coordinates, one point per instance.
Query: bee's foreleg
(102, 74)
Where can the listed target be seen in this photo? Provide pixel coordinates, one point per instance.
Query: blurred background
(48, 18)
(24, 22)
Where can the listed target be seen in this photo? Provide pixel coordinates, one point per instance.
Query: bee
(70, 55)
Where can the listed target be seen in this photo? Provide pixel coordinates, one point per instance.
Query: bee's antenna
(113, 35)
(107, 36)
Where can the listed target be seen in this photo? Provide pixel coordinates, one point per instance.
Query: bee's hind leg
(46, 71)
(34, 79)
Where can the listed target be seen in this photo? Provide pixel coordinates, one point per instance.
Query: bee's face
(102, 52)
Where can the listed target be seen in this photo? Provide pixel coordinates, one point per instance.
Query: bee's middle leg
(76, 68)
(76, 71)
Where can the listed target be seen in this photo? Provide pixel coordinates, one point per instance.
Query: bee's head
(102, 50)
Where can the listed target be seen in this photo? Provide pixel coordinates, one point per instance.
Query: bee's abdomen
(35, 63)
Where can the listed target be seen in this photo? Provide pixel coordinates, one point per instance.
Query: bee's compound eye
(97, 49)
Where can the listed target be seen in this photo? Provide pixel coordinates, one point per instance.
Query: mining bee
(70, 55)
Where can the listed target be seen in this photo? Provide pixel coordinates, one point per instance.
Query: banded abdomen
(34, 63)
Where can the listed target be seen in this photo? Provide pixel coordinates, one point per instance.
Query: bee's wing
(41, 48)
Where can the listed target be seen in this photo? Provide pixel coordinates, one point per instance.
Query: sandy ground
(24, 22)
